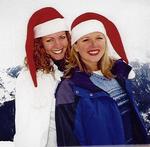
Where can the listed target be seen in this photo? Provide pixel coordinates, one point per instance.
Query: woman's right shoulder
(24, 76)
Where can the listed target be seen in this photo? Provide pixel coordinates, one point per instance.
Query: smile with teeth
(93, 52)
(57, 51)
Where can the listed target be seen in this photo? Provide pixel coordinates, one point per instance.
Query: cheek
(101, 44)
(102, 48)
(82, 53)
(48, 48)
(65, 43)
(82, 47)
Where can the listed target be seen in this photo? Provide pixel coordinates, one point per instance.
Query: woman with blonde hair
(94, 103)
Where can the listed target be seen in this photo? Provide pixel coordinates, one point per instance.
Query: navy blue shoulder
(64, 93)
(121, 69)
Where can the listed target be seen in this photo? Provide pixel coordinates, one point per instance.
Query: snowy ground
(7, 87)
(6, 144)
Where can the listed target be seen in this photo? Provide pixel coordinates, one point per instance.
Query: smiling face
(91, 48)
(56, 45)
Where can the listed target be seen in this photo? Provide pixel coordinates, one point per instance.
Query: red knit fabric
(40, 16)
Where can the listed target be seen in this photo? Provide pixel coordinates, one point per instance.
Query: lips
(94, 52)
(57, 51)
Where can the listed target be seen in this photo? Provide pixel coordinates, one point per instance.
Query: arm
(64, 114)
(123, 70)
(32, 122)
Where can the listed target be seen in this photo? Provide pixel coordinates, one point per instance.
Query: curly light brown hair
(43, 61)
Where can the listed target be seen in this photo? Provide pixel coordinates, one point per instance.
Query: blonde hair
(74, 61)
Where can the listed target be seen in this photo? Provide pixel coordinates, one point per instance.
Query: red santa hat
(93, 22)
(43, 22)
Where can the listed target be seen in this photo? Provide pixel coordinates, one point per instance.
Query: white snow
(6, 144)
(7, 87)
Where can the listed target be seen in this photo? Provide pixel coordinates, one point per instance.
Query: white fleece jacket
(35, 110)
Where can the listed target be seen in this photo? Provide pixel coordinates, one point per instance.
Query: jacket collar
(82, 79)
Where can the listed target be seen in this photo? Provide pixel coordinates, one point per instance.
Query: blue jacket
(87, 115)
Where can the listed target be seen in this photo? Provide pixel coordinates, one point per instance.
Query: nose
(58, 44)
(93, 43)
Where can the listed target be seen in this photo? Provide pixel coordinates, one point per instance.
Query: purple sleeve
(64, 93)
(121, 69)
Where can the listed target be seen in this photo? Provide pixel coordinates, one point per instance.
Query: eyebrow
(63, 34)
(47, 37)
(84, 37)
(98, 35)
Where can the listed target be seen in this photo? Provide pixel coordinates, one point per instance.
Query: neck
(92, 68)
(60, 64)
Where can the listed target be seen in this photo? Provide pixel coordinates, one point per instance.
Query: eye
(100, 38)
(84, 40)
(49, 40)
(63, 37)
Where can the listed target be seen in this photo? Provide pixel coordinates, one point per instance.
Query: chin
(94, 61)
(58, 58)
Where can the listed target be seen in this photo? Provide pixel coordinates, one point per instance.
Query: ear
(76, 47)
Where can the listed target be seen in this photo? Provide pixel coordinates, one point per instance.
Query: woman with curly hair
(47, 44)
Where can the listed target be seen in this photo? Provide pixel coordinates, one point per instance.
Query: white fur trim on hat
(86, 27)
(50, 27)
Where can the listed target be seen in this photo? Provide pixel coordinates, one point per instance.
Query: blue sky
(131, 17)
